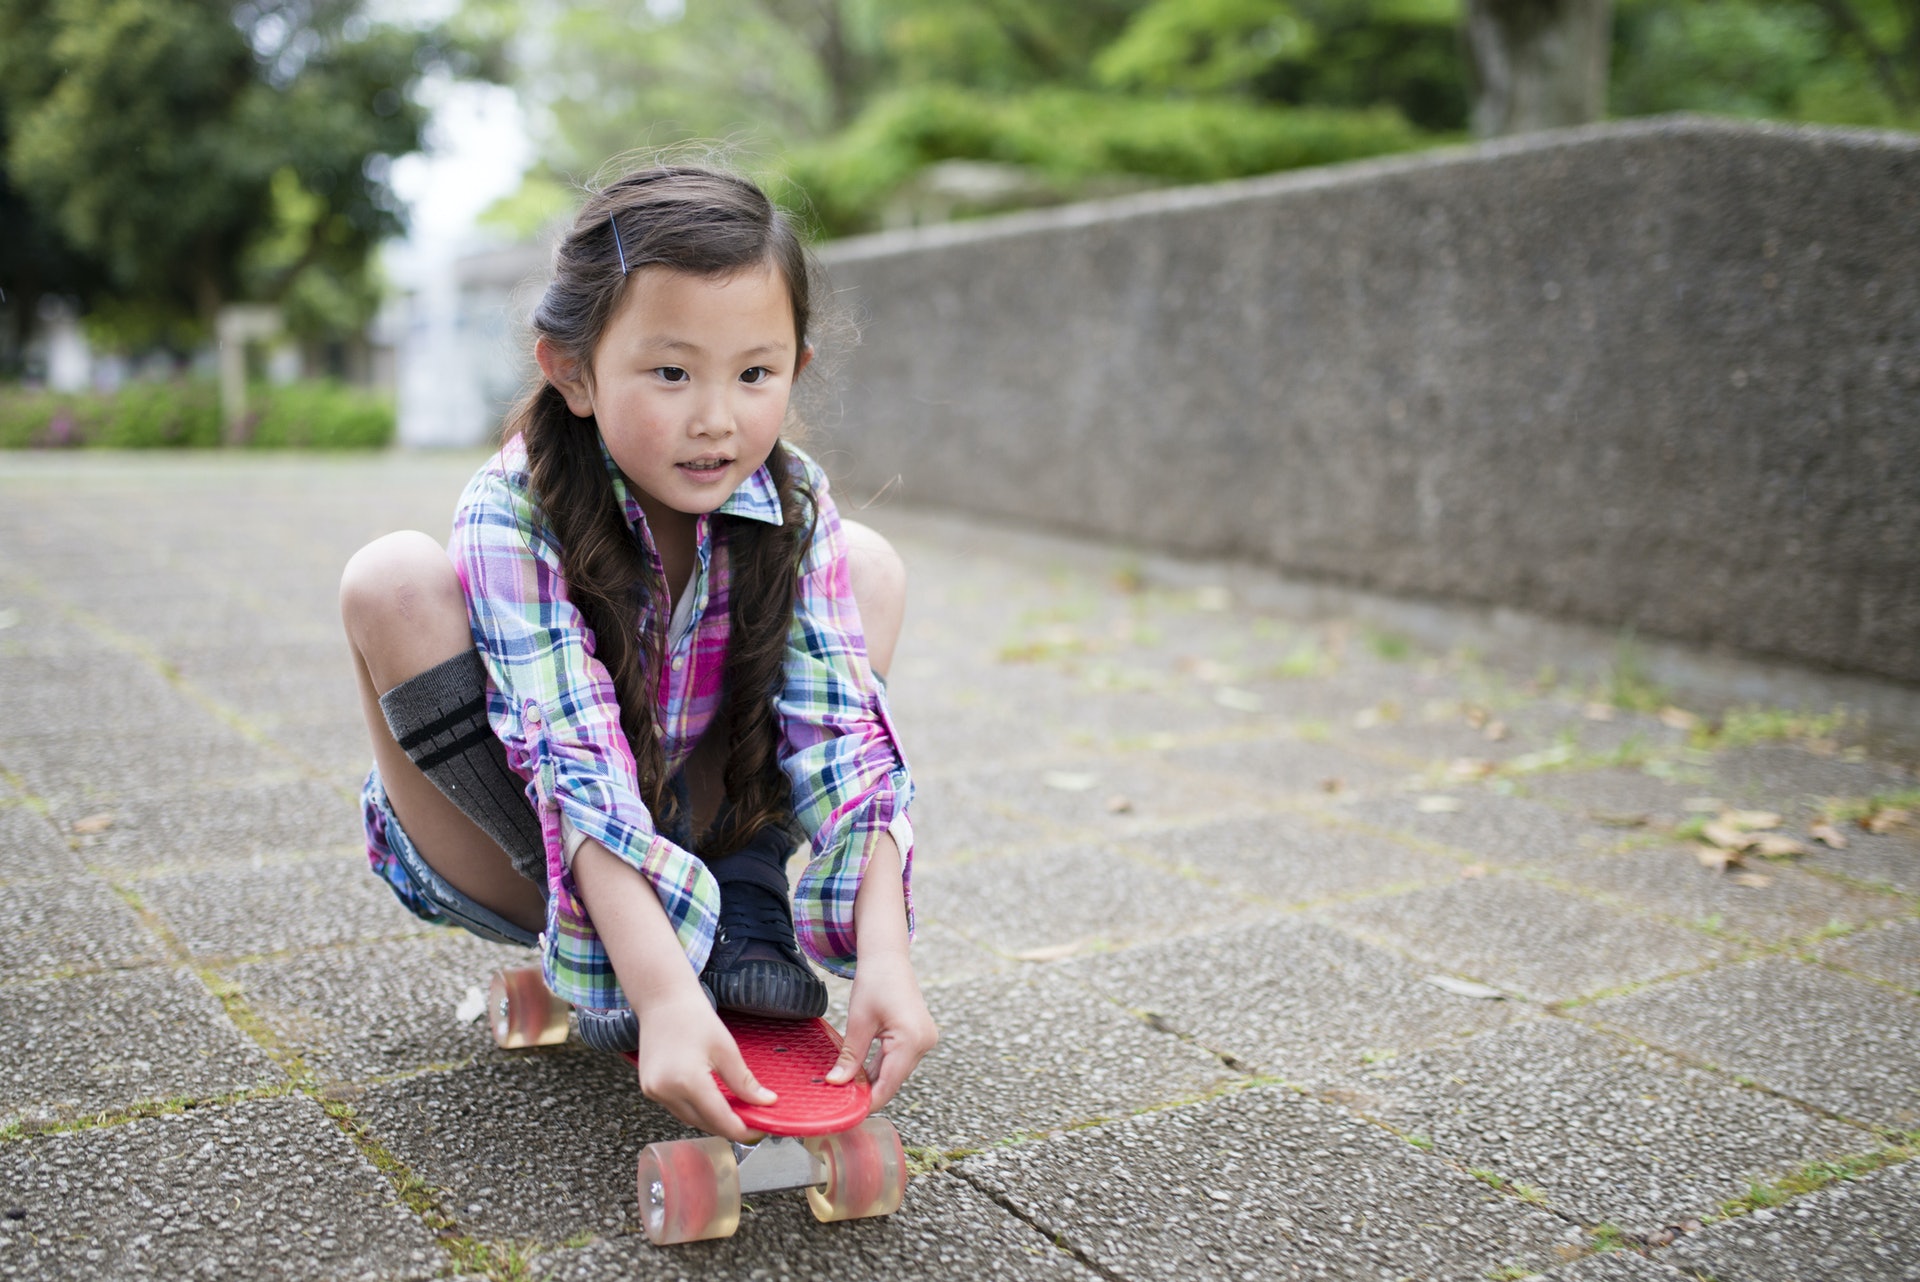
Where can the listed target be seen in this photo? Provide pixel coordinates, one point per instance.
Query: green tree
(180, 155)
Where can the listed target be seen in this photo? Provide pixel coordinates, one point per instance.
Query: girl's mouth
(705, 466)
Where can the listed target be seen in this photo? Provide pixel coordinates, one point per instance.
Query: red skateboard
(818, 1137)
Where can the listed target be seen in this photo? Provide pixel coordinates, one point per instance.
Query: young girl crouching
(647, 665)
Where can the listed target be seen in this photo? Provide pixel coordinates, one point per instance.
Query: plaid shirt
(552, 704)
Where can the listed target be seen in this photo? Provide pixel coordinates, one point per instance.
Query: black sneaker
(756, 967)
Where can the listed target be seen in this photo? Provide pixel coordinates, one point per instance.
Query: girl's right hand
(682, 1045)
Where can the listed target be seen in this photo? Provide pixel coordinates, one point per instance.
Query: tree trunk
(1537, 64)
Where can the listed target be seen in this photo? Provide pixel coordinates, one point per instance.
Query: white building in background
(463, 353)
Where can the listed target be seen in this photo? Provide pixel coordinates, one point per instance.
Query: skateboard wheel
(521, 1012)
(866, 1172)
(689, 1191)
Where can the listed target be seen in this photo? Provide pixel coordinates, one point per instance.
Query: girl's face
(690, 383)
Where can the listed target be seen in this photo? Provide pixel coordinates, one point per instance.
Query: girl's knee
(879, 574)
(403, 579)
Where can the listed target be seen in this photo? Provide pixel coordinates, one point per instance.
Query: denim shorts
(425, 892)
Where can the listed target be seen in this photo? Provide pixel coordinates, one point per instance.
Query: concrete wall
(1663, 375)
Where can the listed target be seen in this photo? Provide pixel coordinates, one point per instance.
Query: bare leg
(404, 613)
(879, 589)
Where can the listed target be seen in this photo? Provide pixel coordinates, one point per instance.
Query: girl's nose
(713, 415)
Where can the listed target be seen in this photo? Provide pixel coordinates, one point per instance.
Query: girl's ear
(565, 374)
(805, 359)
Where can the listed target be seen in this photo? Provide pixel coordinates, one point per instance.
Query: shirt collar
(757, 499)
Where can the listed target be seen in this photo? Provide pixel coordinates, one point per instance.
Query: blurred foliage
(159, 158)
(849, 102)
(186, 413)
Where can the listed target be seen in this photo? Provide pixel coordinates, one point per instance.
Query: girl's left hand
(886, 1013)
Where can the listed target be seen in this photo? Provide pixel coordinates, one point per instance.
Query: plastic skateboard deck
(791, 1057)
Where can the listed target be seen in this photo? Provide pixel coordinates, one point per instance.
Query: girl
(645, 641)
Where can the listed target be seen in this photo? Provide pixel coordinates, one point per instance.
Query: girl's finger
(853, 1050)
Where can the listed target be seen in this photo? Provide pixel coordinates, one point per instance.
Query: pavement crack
(1057, 1237)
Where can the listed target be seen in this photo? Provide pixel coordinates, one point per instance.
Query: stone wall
(1662, 375)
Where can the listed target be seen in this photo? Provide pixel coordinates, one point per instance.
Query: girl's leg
(405, 613)
(879, 589)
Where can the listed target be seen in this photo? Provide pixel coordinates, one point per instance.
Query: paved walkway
(1262, 948)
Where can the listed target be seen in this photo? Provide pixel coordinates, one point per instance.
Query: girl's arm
(682, 1042)
(886, 1007)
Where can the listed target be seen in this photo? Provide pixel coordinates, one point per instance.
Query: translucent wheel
(521, 1012)
(689, 1191)
(866, 1172)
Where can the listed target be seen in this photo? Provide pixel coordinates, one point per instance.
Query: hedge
(186, 413)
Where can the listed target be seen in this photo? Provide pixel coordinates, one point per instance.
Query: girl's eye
(672, 373)
(757, 374)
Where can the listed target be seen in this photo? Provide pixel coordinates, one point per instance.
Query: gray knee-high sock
(439, 719)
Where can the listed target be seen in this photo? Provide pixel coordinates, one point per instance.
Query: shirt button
(533, 714)
(679, 663)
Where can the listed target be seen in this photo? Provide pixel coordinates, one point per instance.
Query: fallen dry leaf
(1438, 805)
(1466, 988)
(1755, 880)
(1826, 834)
(1119, 805)
(472, 1006)
(1599, 712)
(1677, 718)
(1052, 952)
(1775, 845)
(1751, 820)
(1885, 821)
(93, 824)
(1069, 780)
(1495, 731)
(1476, 716)
(1715, 859)
(1332, 783)
(1470, 768)
(1727, 836)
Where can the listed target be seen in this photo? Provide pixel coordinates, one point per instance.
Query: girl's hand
(886, 1013)
(682, 1044)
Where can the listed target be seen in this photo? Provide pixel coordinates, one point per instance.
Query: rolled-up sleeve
(838, 748)
(554, 708)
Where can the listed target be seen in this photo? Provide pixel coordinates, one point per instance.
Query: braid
(764, 561)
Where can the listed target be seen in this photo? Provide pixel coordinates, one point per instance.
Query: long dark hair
(711, 224)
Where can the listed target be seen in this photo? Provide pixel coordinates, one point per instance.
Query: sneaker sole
(770, 989)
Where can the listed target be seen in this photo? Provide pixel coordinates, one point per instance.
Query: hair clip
(617, 247)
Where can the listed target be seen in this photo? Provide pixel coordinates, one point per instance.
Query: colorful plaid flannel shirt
(552, 704)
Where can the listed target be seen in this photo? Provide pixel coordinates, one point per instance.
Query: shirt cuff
(571, 839)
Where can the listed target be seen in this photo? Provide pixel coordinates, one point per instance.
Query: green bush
(156, 415)
(1071, 136)
(322, 416)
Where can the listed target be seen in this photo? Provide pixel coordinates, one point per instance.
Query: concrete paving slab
(956, 815)
(1617, 1266)
(1617, 793)
(538, 1145)
(32, 847)
(332, 750)
(67, 927)
(1280, 769)
(223, 827)
(1487, 826)
(964, 735)
(261, 1188)
(1077, 897)
(1670, 882)
(1789, 777)
(1291, 860)
(942, 955)
(1890, 952)
(1608, 1131)
(1840, 1043)
(1865, 1230)
(1033, 1052)
(77, 776)
(1890, 859)
(358, 1013)
(278, 905)
(1528, 938)
(946, 1228)
(102, 1043)
(1263, 1184)
(1290, 997)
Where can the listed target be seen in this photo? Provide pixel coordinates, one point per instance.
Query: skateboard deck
(791, 1057)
